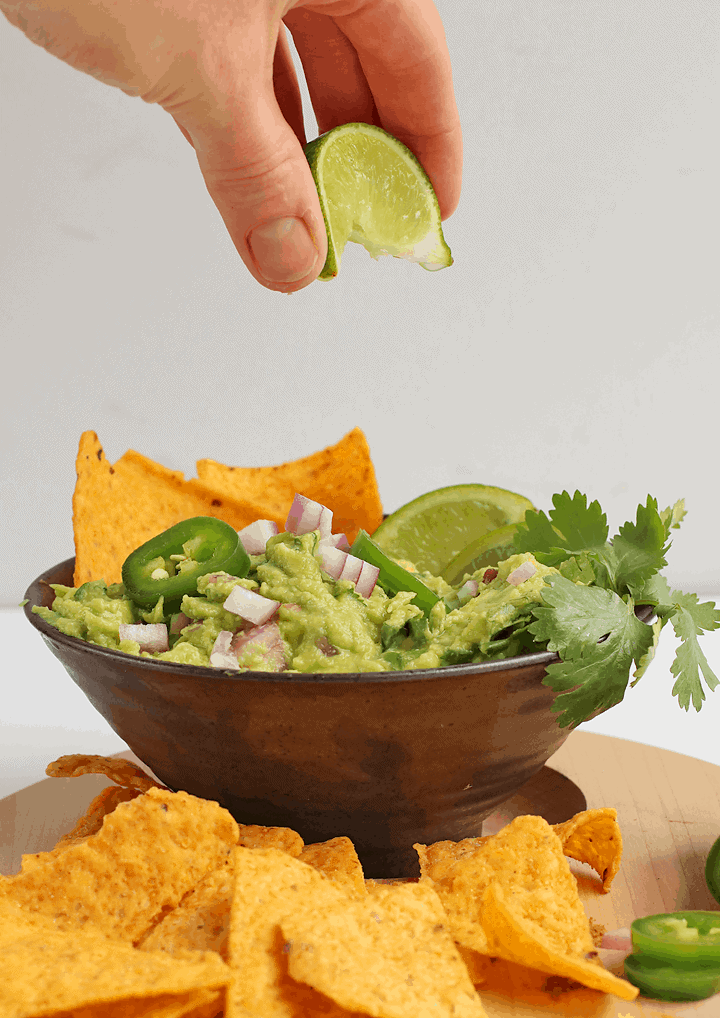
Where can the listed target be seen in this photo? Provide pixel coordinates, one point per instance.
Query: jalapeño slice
(393, 578)
(196, 546)
(712, 871)
(679, 938)
(663, 981)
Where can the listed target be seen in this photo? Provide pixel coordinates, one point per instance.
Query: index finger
(403, 52)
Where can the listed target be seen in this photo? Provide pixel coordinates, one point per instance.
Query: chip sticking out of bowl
(341, 476)
(118, 507)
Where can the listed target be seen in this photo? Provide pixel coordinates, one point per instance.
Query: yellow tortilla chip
(147, 855)
(254, 836)
(521, 880)
(122, 772)
(594, 837)
(101, 806)
(338, 860)
(389, 955)
(517, 933)
(116, 508)
(269, 884)
(82, 973)
(341, 477)
(201, 922)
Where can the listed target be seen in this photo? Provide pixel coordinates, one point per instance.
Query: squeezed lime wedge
(434, 529)
(374, 192)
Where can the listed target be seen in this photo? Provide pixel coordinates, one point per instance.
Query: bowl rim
(544, 657)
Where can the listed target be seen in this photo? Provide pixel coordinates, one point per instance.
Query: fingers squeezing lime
(373, 191)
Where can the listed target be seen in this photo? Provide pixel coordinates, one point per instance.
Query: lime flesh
(373, 191)
(488, 550)
(435, 528)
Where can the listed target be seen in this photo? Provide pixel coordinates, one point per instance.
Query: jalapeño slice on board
(169, 565)
(676, 955)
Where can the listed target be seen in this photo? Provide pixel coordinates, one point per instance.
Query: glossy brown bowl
(386, 758)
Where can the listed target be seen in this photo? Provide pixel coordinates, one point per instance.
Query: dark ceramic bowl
(388, 758)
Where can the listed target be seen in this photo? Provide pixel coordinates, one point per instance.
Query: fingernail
(282, 249)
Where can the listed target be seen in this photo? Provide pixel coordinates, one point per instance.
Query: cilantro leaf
(673, 516)
(572, 527)
(591, 676)
(690, 620)
(637, 552)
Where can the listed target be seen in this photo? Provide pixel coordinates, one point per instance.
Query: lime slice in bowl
(432, 530)
(488, 550)
(374, 192)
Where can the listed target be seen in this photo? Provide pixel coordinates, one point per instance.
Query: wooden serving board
(669, 813)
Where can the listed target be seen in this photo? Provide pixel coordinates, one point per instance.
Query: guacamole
(320, 624)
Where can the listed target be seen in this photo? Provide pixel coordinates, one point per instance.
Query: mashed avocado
(322, 624)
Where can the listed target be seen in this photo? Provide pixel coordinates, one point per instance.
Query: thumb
(259, 179)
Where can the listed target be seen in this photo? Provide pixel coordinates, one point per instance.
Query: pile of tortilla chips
(116, 508)
(160, 904)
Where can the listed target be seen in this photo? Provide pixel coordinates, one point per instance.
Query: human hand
(224, 72)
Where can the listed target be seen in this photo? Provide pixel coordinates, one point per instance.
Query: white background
(574, 343)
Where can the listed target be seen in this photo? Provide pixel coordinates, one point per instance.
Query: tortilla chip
(122, 772)
(81, 973)
(269, 884)
(338, 860)
(201, 922)
(389, 955)
(254, 836)
(341, 477)
(147, 855)
(532, 894)
(593, 837)
(118, 508)
(517, 932)
(101, 806)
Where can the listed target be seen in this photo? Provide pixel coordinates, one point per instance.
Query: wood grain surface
(669, 813)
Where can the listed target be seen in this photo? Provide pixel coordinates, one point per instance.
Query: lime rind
(435, 528)
(373, 191)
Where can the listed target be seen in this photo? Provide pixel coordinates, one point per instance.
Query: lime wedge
(488, 550)
(435, 528)
(374, 192)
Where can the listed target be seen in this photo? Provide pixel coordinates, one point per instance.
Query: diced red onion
(522, 573)
(256, 535)
(351, 569)
(342, 566)
(306, 516)
(468, 590)
(265, 639)
(337, 541)
(333, 559)
(179, 622)
(291, 606)
(221, 655)
(250, 606)
(365, 583)
(323, 644)
(617, 940)
(152, 637)
(614, 948)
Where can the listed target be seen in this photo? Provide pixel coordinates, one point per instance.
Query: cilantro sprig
(587, 614)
